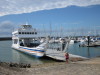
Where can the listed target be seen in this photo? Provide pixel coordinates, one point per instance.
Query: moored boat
(25, 39)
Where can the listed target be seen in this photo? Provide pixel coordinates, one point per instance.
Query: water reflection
(10, 55)
(88, 52)
(20, 57)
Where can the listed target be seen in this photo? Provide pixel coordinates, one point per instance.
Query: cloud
(6, 28)
(8, 7)
(6, 25)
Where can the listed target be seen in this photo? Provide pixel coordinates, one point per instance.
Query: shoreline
(57, 68)
(20, 65)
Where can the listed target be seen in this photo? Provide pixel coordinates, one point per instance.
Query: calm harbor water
(88, 52)
(7, 54)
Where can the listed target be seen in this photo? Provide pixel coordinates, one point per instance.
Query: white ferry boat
(25, 39)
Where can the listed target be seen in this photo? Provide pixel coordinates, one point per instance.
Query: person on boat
(63, 44)
(21, 44)
(67, 57)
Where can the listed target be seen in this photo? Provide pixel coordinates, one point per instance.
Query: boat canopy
(26, 26)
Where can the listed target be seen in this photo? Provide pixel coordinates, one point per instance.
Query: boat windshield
(29, 43)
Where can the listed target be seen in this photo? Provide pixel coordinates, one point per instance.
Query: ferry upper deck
(25, 31)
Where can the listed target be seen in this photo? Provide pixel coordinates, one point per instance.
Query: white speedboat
(24, 39)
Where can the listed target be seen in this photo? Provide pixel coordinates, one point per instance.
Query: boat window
(32, 32)
(22, 32)
(34, 44)
(27, 32)
(19, 32)
(35, 32)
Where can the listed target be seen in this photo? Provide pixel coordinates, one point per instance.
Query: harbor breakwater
(5, 38)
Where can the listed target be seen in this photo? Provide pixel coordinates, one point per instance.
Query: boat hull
(33, 52)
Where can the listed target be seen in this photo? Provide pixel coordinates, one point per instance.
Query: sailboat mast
(50, 30)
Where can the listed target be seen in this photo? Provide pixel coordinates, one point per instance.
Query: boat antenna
(44, 30)
(61, 33)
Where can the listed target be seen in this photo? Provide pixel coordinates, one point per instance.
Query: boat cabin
(25, 36)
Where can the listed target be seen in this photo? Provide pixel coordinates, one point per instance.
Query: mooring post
(88, 40)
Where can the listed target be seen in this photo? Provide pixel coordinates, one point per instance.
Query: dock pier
(60, 55)
(57, 55)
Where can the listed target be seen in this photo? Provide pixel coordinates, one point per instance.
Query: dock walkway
(60, 55)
